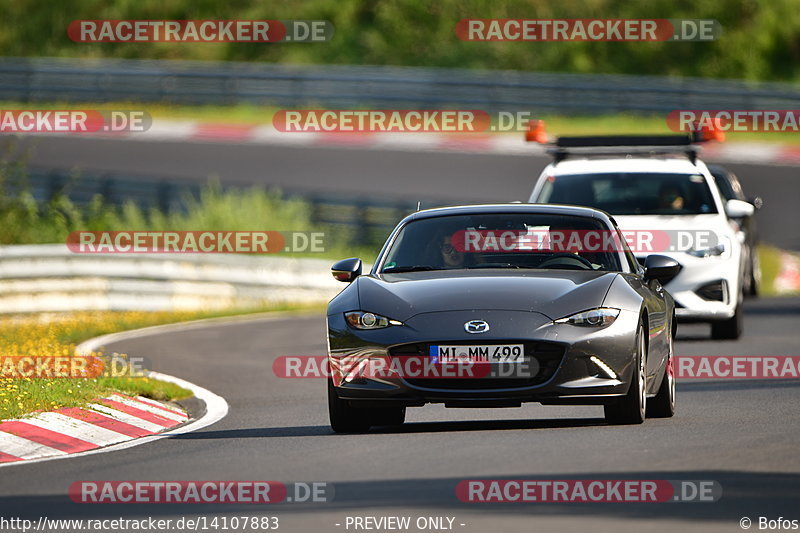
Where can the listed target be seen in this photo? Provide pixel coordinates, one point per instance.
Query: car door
(657, 301)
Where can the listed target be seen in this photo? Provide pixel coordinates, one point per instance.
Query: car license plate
(484, 353)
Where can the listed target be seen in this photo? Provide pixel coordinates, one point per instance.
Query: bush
(760, 38)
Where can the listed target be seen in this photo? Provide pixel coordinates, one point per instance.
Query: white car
(667, 195)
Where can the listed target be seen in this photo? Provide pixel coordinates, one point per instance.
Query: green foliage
(760, 38)
(23, 221)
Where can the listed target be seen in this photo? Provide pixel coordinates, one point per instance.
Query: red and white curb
(107, 421)
(65, 433)
(487, 143)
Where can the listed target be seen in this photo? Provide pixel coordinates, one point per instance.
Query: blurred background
(211, 159)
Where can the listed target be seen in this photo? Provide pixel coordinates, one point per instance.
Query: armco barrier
(39, 278)
(194, 82)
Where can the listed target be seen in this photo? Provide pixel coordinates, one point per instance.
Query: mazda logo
(476, 326)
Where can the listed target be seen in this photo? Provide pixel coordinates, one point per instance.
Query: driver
(451, 257)
(669, 197)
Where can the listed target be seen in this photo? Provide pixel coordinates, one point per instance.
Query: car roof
(667, 165)
(552, 209)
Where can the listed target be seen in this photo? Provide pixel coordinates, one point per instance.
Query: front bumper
(699, 272)
(566, 358)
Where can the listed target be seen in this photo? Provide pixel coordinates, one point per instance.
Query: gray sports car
(495, 305)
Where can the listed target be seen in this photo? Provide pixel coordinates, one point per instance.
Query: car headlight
(708, 252)
(367, 320)
(593, 318)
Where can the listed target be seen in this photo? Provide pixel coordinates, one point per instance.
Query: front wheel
(631, 408)
(663, 405)
(731, 328)
(343, 417)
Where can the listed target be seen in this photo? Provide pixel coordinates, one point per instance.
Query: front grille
(548, 355)
(716, 291)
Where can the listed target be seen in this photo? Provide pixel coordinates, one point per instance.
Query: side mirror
(739, 209)
(757, 202)
(347, 270)
(660, 267)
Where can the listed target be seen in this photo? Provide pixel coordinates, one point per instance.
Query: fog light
(603, 367)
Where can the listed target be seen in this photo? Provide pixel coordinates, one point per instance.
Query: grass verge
(249, 114)
(58, 334)
(771, 265)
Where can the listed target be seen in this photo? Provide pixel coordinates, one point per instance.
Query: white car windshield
(632, 193)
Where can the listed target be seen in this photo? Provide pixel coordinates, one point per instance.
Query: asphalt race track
(742, 434)
(445, 177)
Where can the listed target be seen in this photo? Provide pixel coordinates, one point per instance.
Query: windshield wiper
(408, 268)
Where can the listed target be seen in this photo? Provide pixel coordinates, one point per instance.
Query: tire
(663, 405)
(389, 416)
(731, 328)
(343, 417)
(631, 408)
(747, 279)
(755, 274)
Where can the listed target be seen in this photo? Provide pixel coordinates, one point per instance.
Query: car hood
(675, 233)
(712, 221)
(554, 293)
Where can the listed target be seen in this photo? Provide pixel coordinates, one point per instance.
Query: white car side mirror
(739, 209)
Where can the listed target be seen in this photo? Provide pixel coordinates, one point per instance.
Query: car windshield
(632, 193)
(503, 241)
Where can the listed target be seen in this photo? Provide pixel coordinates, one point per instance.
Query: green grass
(770, 258)
(256, 208)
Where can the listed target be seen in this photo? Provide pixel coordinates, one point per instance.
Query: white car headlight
(367, 320)
(593, 318)
(708, 252)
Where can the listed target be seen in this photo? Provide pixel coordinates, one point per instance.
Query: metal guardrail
(49, 277)
(190, 82)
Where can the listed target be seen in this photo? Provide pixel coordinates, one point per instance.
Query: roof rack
(625, 140)
(616, 145)
(560, 153)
